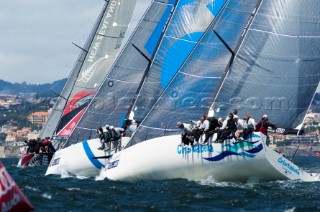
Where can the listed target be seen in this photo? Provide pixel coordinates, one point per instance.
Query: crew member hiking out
(213, 128)
(116, 135)
(187, 137)
(262, 126)
(101, 137)
(204, 127)
(249, 126)
(105, 138)
(230, 128)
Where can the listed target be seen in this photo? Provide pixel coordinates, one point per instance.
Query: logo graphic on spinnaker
(87, 74)
(245, 149)
(78, 101)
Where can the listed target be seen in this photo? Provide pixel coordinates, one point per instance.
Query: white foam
(81, 177)
(101, 176)
(210, 181)
(73, 189)
(290, 210)
(31, 188)
(47, 196)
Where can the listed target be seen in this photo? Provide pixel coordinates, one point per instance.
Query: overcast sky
(36, 37)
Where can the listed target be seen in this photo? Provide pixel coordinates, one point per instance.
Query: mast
(54, 119)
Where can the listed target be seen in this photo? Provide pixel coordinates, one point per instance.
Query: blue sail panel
(157, 33)
(189, 22)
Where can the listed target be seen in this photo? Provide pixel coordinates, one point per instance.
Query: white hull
(165, 158)
(79, 159)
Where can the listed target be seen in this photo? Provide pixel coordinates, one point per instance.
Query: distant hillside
(40, 89)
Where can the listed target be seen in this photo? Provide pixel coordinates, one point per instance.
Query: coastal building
(38, 117)
(6, 101)
(33, 135)
(2, 152)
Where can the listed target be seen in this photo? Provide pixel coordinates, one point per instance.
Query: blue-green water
(54, 193)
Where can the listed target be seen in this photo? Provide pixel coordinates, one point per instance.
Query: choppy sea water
(56, 193)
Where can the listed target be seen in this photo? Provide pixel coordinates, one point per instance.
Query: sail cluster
(185, 57)
(97, 56)
(190, 92)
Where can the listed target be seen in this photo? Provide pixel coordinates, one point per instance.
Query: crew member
(187, 136)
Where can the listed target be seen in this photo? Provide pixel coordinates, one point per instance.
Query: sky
(36, 37)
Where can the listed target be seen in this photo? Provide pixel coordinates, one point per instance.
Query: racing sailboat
(276, 53)
(186, 25)
(93, 64)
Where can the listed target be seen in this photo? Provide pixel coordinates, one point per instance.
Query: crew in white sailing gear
(196, 123)
(249, 120)
(220, 122)
(239, 122)
(204, 127)
(187, 136)
(133, 126)
(249, 125)
(240, 127)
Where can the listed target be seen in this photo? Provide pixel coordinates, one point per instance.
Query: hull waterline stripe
(90, 155)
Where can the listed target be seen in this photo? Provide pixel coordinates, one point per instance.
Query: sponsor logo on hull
(198, 148)
(288, 168)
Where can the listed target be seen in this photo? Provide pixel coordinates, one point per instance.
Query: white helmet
(111, 127)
